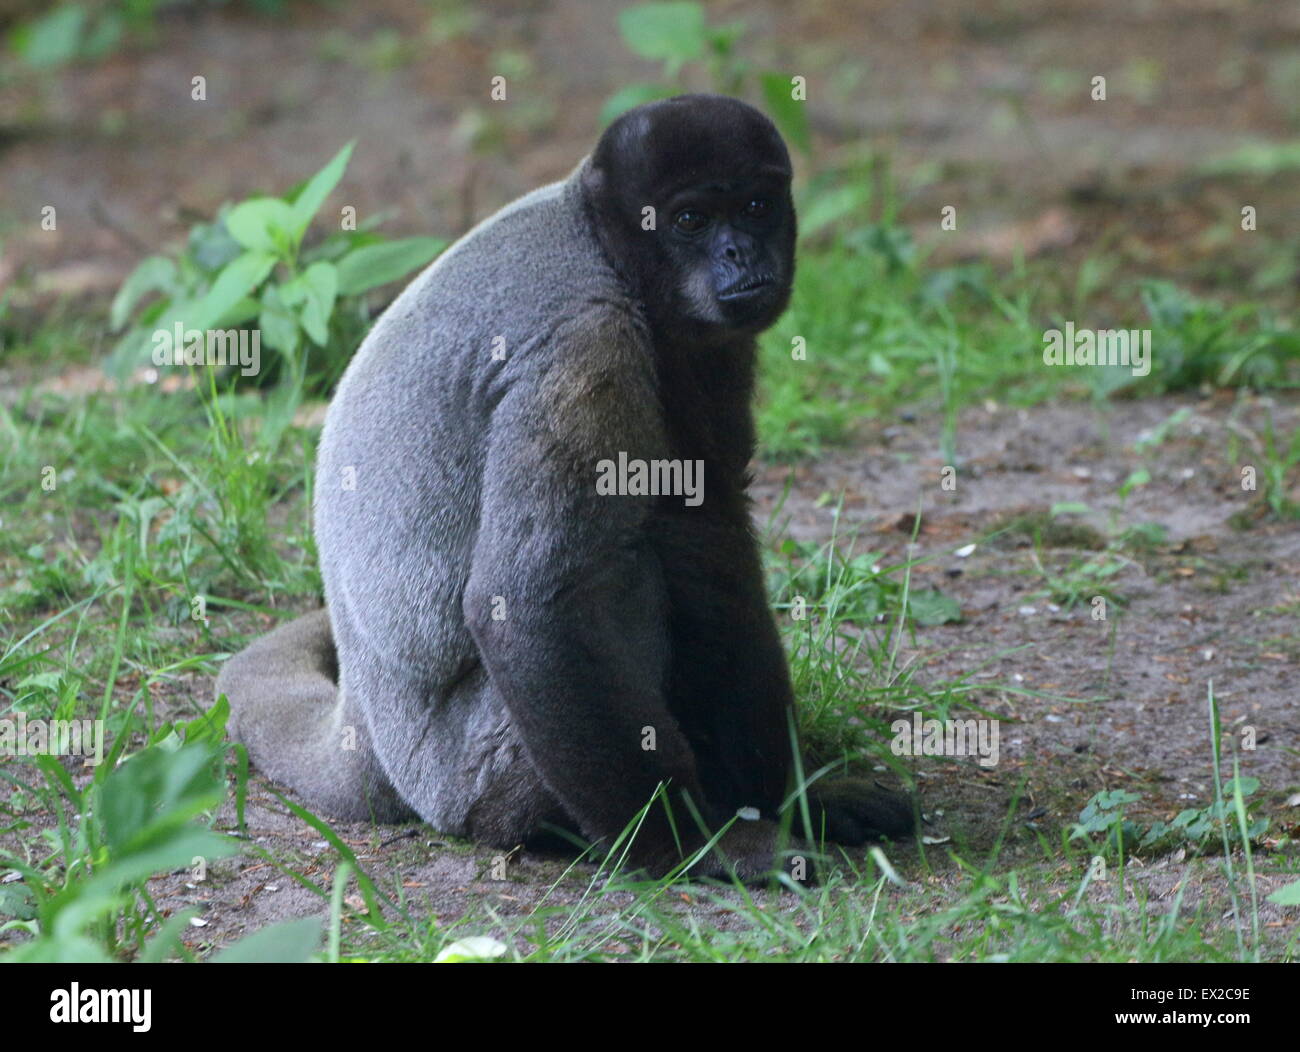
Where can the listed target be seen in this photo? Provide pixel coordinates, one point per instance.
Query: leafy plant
(1159, 435)
(250, 264)
(78, 32)
(1081, 578)
(1288, 895)
(88, 900)
(678, 34)
(851, 587)
(1087, 576)
(1196, 341)
(844, 586)
(1197, 829)
(129, 823)
(1104, 815)
(88, 32)
(1279, 465)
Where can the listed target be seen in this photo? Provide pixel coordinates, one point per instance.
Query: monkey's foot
(852, 811)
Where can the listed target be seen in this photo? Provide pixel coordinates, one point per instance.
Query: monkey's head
(715, 259)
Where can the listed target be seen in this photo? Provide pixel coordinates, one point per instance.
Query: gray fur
(500, 636)
(410, 416)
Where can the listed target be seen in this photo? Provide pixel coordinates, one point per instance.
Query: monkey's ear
(593, 180)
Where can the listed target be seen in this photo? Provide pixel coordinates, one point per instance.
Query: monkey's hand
(754, 853)
(852, 811)
(848, 811)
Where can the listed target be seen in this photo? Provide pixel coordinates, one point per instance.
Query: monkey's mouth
(746, 287)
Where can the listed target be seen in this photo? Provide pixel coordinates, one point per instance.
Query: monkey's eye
(758, 208)
(690, 222)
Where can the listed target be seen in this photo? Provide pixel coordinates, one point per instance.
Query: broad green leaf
(724, 38)
(80, 903)
(236, 280)
(788, 113)
(930, 607)
(820, 210)
(321, 283)
(265, 224)
(72, 949)
(210, 244)
(292, 293)
(154, 274)
(223, 300)
(166, 941)
(374, 265)
(175, 849)
(1287, 896)
(74, 908)
(318, 188)
(1249, 786)
(104, 36)
(672, 32)
(210, 728)
(289, 942)
(279, 325)
(154, 793)
(16, 902)
(633, 95)
(1138, 478)
(244, 310)
(53, 39)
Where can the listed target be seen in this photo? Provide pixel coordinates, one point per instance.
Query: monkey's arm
(731, 685)
(566, 600)
(729, 680)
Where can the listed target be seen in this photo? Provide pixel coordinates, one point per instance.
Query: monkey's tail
(287, 709)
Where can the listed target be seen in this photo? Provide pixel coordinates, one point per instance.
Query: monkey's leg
(453, 754)
(287, 709)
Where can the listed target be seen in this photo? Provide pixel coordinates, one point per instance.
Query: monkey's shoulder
(531, 256)
(587, 386)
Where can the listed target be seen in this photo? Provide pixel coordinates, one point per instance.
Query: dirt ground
(1216, 602)
(966, 89)
(989, 98)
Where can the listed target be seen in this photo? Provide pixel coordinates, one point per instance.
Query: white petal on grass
(473, 948)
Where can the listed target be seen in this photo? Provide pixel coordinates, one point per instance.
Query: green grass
(170, 507)
(859, 915)
(880, 328)
(879, 331)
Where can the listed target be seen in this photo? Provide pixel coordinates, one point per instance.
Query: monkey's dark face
(692, 200)
(727, 243)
